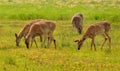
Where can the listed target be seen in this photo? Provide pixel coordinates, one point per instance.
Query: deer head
(80, 42)
(17, 39)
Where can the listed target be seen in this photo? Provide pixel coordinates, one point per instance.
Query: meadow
(15, 14)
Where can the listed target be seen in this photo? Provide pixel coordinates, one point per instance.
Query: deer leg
(49, 41)
(41, 38)
(35, 43)
(54, 42)
(104, 41)
(93, 43)
(33, 40)
(109, 38)
(43, 43)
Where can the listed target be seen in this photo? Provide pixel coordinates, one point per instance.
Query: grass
(14, 14)
(59, 10)
(65, 58)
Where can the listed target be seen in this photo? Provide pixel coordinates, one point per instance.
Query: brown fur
(77, 22)
(45, 28)
(24, 32)
(99, 28)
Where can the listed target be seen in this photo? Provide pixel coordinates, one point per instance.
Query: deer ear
(76, 41)
(15, 35)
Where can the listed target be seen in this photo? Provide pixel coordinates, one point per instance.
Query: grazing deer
(45, 28)
(99, 28)
(24, 32)
(77, 22)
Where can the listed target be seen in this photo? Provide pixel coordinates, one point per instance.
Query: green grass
(14, 14)
(59, 10)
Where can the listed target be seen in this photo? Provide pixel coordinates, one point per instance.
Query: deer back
(77, 19)
(98, 28)
(42, 27)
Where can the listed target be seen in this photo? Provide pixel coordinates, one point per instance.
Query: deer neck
(20, 35)
(84, 37)
(23, 33)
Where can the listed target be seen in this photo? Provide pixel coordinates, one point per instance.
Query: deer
(24, 31)
(77, 22)
(99, 28)
(45, 28)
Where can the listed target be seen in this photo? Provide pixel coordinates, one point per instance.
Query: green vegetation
(14, 14)
(60, 10)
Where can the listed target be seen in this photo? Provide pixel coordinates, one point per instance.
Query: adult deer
(99, 28)
(77, 22)
(24, 31)
(45, 28)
